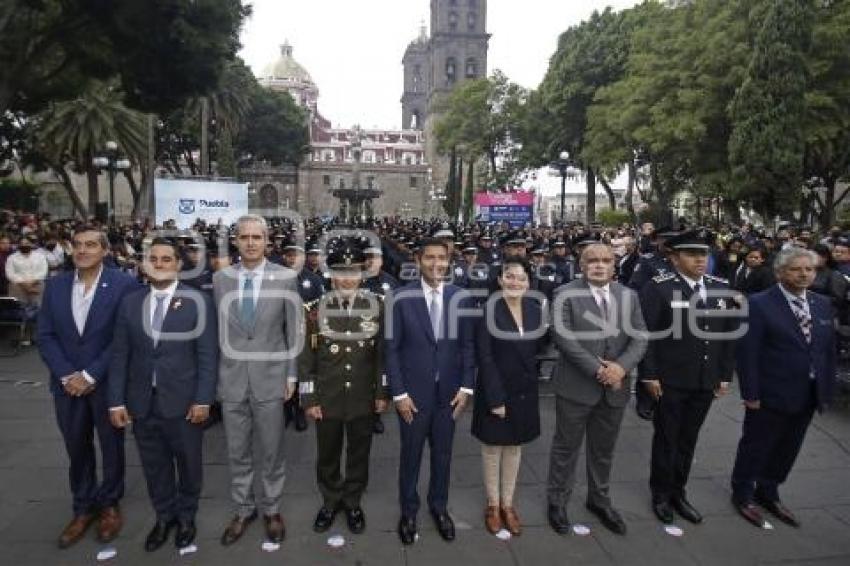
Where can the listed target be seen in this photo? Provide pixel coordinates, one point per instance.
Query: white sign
(185, 201)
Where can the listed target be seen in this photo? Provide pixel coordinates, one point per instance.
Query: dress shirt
(257, 280)
(80, 305)
(154, 293)
(30, 267)
(691, 283)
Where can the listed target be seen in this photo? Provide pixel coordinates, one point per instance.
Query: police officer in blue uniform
(685, 370)
(310, 288)
(381, 283)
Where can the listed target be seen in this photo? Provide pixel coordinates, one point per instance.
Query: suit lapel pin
(177, 304)
(104, 285)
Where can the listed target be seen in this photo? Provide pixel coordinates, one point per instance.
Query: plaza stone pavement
(35, 502)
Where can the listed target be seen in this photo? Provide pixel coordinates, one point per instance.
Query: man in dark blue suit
(786, 365)
(163, 376)
(430, 362)
(75, 328)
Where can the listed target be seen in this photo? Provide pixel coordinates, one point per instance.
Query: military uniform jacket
(649, 265)
(341, 368)
(688, 361)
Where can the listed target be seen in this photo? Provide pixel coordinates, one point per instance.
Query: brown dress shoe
(511, 520)
(275, 529)
(236, 528)
(109, 524)
(492, 519)
(75, 530)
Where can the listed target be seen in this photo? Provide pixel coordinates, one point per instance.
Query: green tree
(274, 131)
(589, 57)
(767, 145)
(162, 51)
(71, 133)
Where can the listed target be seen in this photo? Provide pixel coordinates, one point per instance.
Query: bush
(18, 195)
(613, 218)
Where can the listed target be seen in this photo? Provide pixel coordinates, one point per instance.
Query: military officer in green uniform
(342, 384)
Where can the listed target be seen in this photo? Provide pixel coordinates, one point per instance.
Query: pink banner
(504, 199)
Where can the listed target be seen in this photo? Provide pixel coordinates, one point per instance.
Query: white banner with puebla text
(185, 201)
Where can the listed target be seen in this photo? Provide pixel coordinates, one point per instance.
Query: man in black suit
(688, 364)
(786, 364)
(163, 376)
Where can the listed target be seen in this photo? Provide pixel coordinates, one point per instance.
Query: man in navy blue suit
(163, 376)
(786, 365)
(430, 362)
(75, 328)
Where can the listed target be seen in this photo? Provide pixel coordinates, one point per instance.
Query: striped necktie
(803, 318)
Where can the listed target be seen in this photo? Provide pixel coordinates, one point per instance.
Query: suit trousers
(78, 419)
(332, 435)
(171, 455)
(679, 416)
(573, 421)
(767, 451)
(436, 426)
(244, 421)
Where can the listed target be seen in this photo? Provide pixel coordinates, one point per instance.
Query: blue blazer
(413, 356)
(61, 347)
(186, 363)
(774, 360)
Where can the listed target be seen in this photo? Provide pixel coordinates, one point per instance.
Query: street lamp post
(562, 165)
(112, 162)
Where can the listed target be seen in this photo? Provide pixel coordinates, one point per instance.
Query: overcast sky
(353, 48)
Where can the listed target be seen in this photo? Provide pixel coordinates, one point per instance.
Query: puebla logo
(187, 205)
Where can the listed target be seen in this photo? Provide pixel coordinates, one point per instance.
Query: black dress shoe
(778, 510)
(609, 518)
(324, 519)
(356, 520)
(686, 510)
(407, 530)
(663, 510)
(445, 525)
(186, 532)
(159, 534)
(558, 519)
(378, 425)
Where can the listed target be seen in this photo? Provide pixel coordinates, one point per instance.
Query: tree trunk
(590, 213)
(79, 208)
(459, 190)
(612, 199)
(827, 218)
(630, 191)
(448, 204)
(134, 191)
(205, 136)
(94, 189)
(470, 190)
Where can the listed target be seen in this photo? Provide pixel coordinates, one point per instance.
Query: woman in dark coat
(506, 413)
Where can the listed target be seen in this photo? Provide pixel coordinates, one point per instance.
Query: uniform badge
(385, 286)
(367, 326)
(361, 343)
(334, 348)
(458, 271)
(306, 284)
(177, 304)
(721, 303)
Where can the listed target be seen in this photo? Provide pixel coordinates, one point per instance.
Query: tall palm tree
(77, 130)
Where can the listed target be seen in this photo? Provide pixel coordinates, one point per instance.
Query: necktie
(803, 319)
(156, 324)
(434, 312)
(158, 316)
(248, 306)
(603, 304)
(700, 302)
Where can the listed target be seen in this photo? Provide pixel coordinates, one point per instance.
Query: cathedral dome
(286, 68)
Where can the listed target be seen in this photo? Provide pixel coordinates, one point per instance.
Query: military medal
(334, 348)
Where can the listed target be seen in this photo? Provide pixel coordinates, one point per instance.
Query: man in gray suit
(601, 336)
(258, 306)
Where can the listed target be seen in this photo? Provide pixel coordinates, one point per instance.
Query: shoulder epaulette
(664, 277)
(716, 279)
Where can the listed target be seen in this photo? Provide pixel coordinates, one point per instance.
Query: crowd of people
(269, 322)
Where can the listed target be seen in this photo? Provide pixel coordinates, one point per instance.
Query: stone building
(393, 161)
